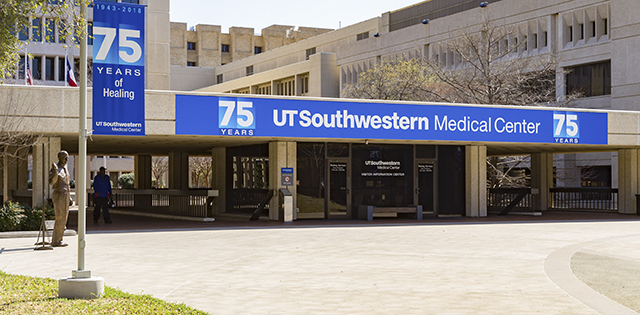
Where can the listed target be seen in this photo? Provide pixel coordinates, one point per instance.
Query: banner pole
(81, 192)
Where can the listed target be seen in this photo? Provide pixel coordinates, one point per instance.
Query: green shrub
(19, 217)
(32, 218)
(126, 181)
(10, 216)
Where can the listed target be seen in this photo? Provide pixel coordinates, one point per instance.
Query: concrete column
(178, 179)
(476, 181)
(9, 173)
(2, 184)
(142, 179)
(281, 154)
(14, 171)
(142, 171)
(178, 170)
(628, 166)
(219, 179)
(45, 152)
(298, 85)
(541, 180)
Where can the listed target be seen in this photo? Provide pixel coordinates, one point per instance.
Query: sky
(258, 14)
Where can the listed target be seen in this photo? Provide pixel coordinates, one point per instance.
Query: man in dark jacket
(102, 195)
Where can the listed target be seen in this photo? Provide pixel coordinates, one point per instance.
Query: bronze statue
(59, 179)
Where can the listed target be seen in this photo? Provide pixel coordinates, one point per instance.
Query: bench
(366, 212)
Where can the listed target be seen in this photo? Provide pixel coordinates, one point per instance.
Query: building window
(590, 80)
(606, 26)
(225, 48)
(249, 70)
(61, 32)
(191, 63)
(49, 67)
(362, 36)
(21, 68)
(546, 39)
(570, 33)
(36, 36)
(89, 33)
(61, 67)
(535, 41)
(305, 84)
(596, 176)
(24, 33)
(50, 35)
(581, 30)
(257, 50)
(191, 46)
(219, 79)
(310, 51)
(35, 68)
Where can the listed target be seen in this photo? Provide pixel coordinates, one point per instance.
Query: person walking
(102, 195)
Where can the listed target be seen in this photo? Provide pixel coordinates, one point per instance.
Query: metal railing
(584, 198)
(498, 199)
(246, 200)
(193, 203)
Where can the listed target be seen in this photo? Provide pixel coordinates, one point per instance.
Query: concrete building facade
(594, 38)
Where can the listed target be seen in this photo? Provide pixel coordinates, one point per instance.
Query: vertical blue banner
(118, 69)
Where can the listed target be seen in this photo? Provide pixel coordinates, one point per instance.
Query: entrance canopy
(196, 122)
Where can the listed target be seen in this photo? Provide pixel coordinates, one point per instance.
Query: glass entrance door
(338, 205)
(425, 191)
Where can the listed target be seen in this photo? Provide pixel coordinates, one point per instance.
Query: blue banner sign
(118, 69)
(258, 117)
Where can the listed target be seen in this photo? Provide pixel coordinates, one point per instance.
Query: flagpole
(66, 71)
(26, 59)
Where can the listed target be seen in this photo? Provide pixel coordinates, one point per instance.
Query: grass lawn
(30, 295)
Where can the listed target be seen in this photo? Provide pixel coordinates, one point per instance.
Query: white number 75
(110, 35)
(572, 125)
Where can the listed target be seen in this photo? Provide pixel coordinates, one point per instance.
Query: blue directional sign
(289, 118)
(118, 69)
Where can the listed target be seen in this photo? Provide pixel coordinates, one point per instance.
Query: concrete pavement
(464, 266)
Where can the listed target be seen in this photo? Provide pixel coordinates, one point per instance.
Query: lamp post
(82, 284)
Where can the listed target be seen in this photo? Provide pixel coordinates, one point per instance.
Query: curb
(34, 234)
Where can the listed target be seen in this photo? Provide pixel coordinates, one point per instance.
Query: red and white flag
(71, 78)
(28, 78)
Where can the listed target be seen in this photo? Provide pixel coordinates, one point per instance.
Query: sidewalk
(494, 265)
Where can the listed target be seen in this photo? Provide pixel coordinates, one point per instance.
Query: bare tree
(159, 168)
(17, 132)
(485, 63)
(404, 80)
(201, 170)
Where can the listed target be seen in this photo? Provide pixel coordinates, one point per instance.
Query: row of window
(224, 48)
(48, 72)
(586, 25)
(284, 87)
(53, 32)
